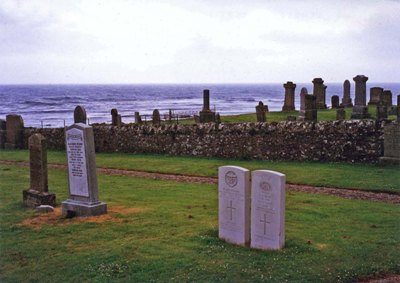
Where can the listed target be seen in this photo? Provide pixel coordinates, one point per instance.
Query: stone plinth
(267, 210)
(375, 95)
(360, 110)
(391, 145)
(14, 129)
(32, 198)
(346, 100)
(289, 96)
(319, 92)
(234, 204)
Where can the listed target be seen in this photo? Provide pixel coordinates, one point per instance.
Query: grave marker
(346, 100)
(234, 204)
(319, 92)
(375, 95)
(14, 135)
(360, 110)
(289, 96)
(260, 112)
(391, 145)
(267, 209)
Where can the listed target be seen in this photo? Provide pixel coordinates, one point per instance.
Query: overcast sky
(194, 41)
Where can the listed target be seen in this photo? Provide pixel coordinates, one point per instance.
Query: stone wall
(348, 141)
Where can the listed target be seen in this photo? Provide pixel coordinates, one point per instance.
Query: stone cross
(234, 204)
(80, 115)
(346, 100)
(156, 117)
(83, 191)
(38, 193)
(319, 92)
(15, 132)
(267, 209)
(335, 101)
(360, 110)
(375, 95)
(289, 96)
(260, 112)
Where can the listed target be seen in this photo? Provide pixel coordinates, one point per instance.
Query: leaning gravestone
(38, 193)
(234, 204)
(267, 210)
(83, 192)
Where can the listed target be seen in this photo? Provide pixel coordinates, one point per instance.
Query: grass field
(340, 175)
(163, 231)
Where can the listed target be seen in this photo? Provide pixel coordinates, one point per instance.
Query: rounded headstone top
(260, 103)
(303, 90)
(80, 115)
(114, 112)
(387, 92)
(36, 139)
(156, 112)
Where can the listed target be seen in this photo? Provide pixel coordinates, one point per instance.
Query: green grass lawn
(168, 233)
(340, 175)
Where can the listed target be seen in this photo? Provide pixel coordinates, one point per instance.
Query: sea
(53, 105)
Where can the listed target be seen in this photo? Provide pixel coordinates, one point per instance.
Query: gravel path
(345, 193)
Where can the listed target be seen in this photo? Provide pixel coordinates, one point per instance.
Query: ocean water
(53, 105)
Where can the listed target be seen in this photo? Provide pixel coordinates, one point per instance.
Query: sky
(194, 41)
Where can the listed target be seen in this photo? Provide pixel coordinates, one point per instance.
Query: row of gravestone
(83, 190)
(251, 212)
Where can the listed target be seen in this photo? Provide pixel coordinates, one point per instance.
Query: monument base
(207, 116)
(79, 208)
(389, 161)
(32, 198)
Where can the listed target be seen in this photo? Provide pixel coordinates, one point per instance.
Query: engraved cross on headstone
(231, 208)
(265, 223)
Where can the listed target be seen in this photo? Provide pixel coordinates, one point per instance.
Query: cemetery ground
(165, 231)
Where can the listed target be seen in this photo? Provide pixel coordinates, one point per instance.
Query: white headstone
(267, 210)
(234, 204)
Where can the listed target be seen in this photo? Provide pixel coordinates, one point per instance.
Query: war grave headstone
(391, 145)
(289, 96)
(116, 119)
(346, 100)
(267, 209)
(206, 115)
(38, 193)
(375, 95)
(340, 114)
(234, 204)
(2, 133)
(83, 191)
(156, 117)
(335, 101)
(260, 112)
(360, 110)
(14, 132)
(319, 92)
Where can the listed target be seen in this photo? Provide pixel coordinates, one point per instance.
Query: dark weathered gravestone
(138, 118)
(115, 118)
(346, 100)
(335, 101)
(310, 113)
(217, 118)
(391, 147)
(2, 133)
(80, 115)
(340, 114)
(38, 193)
(375, 95)
(360, 110)
(381, 112)
(289, 96)
(206, 115)
(387, 97)
(83, 191)
(319, 92)
(303, 93)
(260, 112)
(15, 132)
(156, 117)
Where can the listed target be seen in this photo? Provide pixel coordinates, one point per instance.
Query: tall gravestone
(260, 112)
(83, 191)
(289, 96)
(206, 115)
(360, 110)
(15, 132)
(138, 118)
(234, 204)
(156, 117)
(346, 100)
(303, 93)
(116, 119)
(267, 209)
(375, 95)
(38, 193)
(335, 101)
(310, 106)
(319, 92)
(391, 145)
(2, 133)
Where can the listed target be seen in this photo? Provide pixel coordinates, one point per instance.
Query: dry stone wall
(348, 141)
